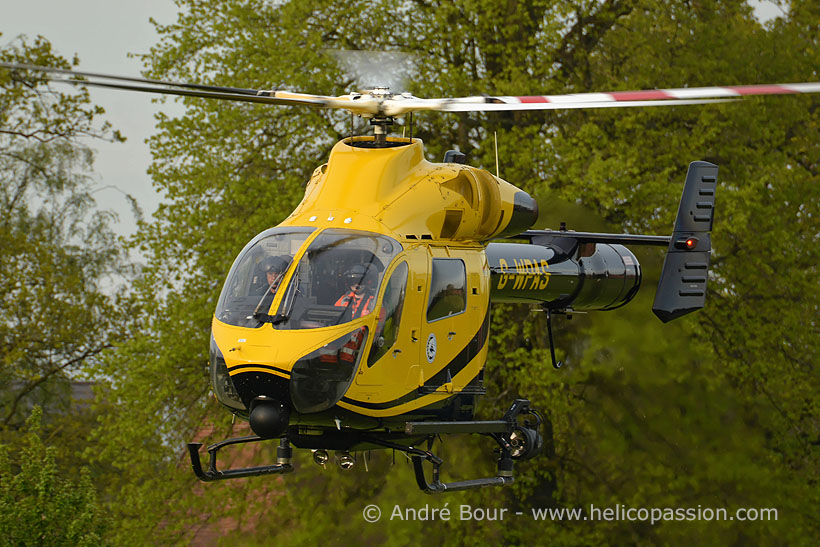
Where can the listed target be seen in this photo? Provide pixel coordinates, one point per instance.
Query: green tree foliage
(717, 410)
(60, 267)
(37, 506)
(56, 249)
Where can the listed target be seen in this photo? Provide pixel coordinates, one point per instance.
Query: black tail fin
(682, 288)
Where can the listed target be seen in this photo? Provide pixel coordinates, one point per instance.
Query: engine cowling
(413, 198)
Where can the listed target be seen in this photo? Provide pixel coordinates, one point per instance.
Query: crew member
(358, 301)
(360, 297)
(274, 268)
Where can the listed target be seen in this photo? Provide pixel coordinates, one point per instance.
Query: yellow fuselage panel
(437, 212)
(405, 378)
(402, 381)
(406, 195)
(278, 348)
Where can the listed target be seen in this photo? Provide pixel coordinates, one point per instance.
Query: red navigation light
(687, 243)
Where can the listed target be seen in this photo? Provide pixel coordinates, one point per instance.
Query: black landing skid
(284, 460)
(516, 441)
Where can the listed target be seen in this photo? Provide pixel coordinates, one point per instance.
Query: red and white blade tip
(667, 94)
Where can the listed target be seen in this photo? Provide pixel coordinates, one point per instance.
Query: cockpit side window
(387, 328)
(256, 276)
(448, 294)
(336, 280)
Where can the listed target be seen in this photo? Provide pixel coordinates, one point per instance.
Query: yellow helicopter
(361, 321)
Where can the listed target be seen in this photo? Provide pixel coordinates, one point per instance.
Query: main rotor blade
(663, 94)
(651, 97)
(372, 104)
(186, 90)
(100, 75)
(400, 107)
(267, 97)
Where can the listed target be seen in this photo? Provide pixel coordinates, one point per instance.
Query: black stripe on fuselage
(239, 368)
(456, 365)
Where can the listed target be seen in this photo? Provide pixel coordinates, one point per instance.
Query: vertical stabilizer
(682, 288)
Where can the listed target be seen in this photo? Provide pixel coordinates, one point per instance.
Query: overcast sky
(102, 33)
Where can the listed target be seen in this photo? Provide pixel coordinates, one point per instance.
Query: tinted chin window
(322, 377)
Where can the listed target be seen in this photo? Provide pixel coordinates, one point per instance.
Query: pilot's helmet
(361, 274)
(274, 264)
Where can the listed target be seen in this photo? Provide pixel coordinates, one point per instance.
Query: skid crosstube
(504, 477)
(515, 441)
(500, 430)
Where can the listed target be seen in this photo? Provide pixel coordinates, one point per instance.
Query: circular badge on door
(431, 347)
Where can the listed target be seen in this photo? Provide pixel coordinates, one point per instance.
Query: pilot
(273, 268)
(361, 295)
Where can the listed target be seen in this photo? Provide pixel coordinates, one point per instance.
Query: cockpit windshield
(337, 279)
(256, 275)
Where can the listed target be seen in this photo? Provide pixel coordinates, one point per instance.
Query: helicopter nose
(269, 418)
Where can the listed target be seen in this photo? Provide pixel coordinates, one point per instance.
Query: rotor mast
(381, 121)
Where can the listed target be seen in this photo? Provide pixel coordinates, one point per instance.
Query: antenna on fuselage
(495, 138)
